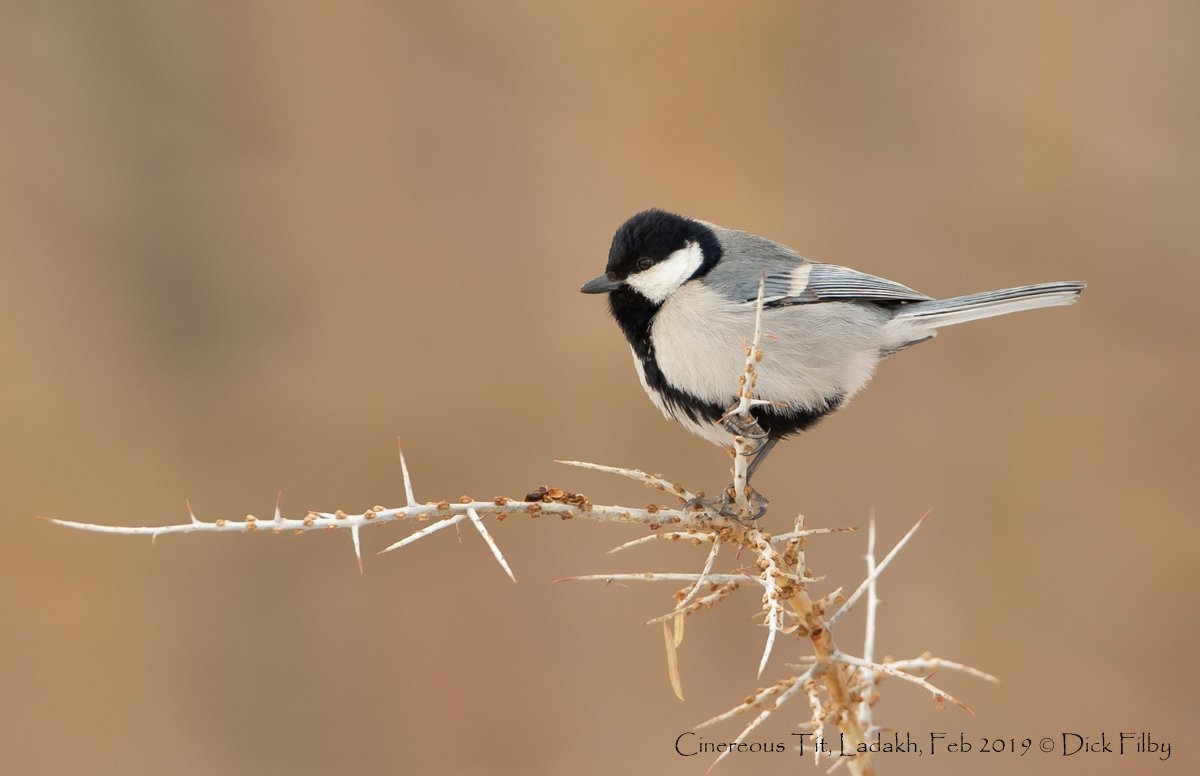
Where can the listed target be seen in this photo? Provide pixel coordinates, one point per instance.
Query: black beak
(600, 285)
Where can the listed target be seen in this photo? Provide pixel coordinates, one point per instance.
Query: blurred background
(246, 246)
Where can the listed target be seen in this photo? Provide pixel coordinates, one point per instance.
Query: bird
(685, 294)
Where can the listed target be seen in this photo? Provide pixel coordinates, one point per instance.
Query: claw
(747, 432)
(758, 504)
(726, 506)
(700, 504)
(744, 426)
(757, 442)
(756, 501)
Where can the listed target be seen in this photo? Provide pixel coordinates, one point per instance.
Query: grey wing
(792, 279)
(745, 258)
(828, 282)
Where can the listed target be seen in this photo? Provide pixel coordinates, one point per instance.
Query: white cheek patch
(665, 277)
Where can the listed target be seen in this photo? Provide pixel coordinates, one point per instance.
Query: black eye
(645, 263)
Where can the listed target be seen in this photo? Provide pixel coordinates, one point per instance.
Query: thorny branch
(841, 689)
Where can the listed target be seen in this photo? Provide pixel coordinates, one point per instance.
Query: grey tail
(960, 309)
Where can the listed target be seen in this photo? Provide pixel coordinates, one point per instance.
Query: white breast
(698, 338)
(811, 353)
(710, 431)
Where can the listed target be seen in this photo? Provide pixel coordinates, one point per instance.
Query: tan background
(244, 248)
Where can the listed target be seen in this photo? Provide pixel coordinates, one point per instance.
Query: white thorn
(884, 668)
(477, 521)
(191, 514)
(671, 535)
(780, 698)
(357, 547)
(408, 488)
(872, 594)
(801, 533)
(772, 629)
(936, 663)
(649, 480)
(853, 599)
(434, 528)
(653, 576)
(708, 567)
(278, 500)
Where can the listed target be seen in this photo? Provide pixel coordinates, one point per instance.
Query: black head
(652, 236)
(648, 241)
(652, 255)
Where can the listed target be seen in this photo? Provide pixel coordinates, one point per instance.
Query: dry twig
(841, 688)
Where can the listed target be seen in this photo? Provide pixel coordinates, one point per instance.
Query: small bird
(685, 292)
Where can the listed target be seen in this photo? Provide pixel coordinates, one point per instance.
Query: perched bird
(685, 292)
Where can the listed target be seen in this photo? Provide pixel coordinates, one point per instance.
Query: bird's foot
(726, 505)
(745, 425)
(699, 503)
(756, 505)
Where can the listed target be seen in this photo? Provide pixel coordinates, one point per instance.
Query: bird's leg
(758, 502)
(752, 441)
(759, 455)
